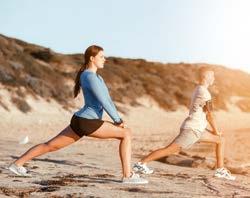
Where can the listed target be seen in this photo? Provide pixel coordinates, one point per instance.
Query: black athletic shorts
(84, 126)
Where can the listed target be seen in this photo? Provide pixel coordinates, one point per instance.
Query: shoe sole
(218, 176)
(135, 182)
(14, 171)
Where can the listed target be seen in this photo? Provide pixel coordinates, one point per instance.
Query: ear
(91, 58)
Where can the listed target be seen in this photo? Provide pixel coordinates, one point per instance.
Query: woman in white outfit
(193, 128)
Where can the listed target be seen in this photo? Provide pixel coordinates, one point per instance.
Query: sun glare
(237, 34)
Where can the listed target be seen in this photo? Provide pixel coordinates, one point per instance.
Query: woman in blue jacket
(88, 120)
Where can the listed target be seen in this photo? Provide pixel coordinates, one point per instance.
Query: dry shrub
(21, 104)
(170, 85)
(244, 104)
(5, 76)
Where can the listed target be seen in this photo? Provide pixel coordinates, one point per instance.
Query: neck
(204, 83)
(92, 68)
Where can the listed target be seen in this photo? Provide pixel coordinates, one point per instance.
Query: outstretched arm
(97, 89)
(208, 109)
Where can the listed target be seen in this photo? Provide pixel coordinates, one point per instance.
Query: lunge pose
(193, 129)
(87, 121)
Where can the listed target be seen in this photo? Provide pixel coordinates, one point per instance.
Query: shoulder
(88, 76)
(200, 89)
(203, 92)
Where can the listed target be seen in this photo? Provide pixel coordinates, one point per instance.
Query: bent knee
(127, 133)
(221, 140)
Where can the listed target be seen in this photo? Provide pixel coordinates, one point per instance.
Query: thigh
(209, 137)
(186, 138)
(109, 130)
(66, 137)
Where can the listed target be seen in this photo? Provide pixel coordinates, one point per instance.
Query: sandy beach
(148, 58)
(91, 167)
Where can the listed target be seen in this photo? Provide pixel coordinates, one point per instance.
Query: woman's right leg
(108, 130)
(64, 138)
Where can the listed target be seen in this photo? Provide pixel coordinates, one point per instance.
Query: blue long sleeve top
(97, 98)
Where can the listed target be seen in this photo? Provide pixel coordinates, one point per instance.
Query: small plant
(21, 104)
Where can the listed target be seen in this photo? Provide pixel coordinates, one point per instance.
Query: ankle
(141, 162)
(18, 164)
(128, 175)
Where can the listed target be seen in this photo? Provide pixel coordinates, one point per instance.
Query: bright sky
(210, 31)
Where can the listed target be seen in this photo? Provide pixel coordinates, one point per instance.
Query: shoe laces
(144, 166)
(224, 171)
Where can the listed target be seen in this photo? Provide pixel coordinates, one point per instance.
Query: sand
(91, 167)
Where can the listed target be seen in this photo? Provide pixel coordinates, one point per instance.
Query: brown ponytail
(92, 50)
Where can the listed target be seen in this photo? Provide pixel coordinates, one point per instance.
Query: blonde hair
(202, 71)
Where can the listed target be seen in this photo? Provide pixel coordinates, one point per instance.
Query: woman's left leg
(220, 146)
(108, 130)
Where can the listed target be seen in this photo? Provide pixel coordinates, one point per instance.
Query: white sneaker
(142, 168)
(19, 170)
(134, 179)
(224, 173)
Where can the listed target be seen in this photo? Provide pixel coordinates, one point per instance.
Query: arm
(121, 123)
(210, 117)
(97, 89)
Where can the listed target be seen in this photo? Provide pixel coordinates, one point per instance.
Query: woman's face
(98, 60)
(210, 77)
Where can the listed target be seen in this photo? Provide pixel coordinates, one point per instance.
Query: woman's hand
(218, 133)
(120, 124)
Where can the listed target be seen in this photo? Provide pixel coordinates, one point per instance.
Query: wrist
(118, 122)
(217, 132)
